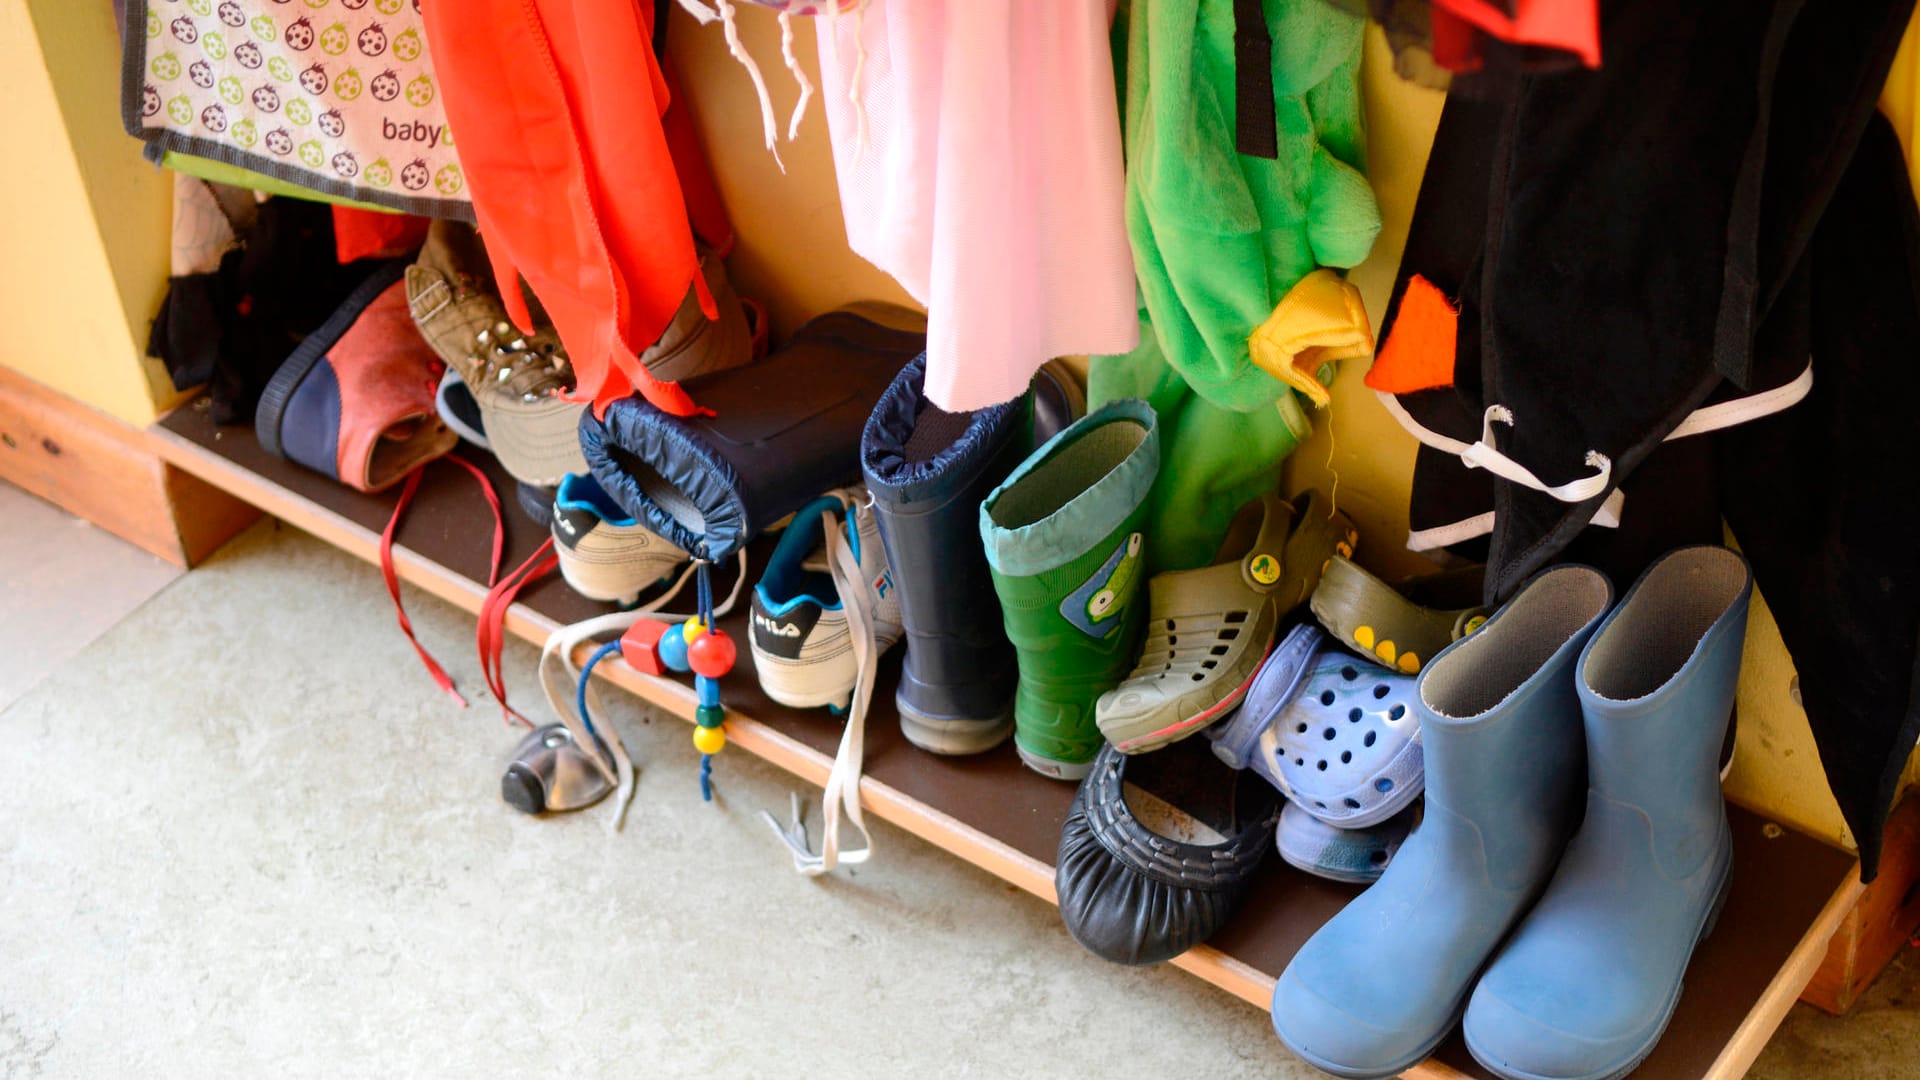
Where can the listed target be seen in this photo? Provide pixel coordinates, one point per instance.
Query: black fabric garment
(1821, 497)
(1655, 171)
(1632, 263)
(230, 329)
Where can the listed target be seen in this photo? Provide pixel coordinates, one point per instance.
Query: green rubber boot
(1065, 544)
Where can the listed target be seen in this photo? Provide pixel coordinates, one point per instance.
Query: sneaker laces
(570, 693)
(842, 797)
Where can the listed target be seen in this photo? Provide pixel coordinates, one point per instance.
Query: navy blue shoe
(355, 400)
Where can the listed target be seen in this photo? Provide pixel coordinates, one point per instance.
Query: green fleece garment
(1220, 237)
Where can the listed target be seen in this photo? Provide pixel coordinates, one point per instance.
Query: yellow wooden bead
(691, 629)
(709, 740)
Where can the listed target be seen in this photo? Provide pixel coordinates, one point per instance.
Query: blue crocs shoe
(1337, 736)
(1350, 856)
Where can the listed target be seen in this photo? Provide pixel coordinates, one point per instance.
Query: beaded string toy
(706, 650)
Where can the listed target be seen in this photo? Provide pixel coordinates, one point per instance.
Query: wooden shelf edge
(935, 827)
(1787, 984)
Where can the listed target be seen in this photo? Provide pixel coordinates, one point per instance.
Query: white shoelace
(842, 798)
(560, 679)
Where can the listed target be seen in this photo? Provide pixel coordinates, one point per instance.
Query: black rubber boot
(928, 470)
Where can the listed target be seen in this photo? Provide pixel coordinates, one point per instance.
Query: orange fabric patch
(1418, 354)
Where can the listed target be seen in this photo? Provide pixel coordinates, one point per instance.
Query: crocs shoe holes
(1346, 758)
(1396, 712)
(1299, 761)
(1349, 674)
(1380, 691)
(1218, 650)
(1326, 697)
(1170, 627)
(1236, 617)
(1354, 715)
(1368, 740)
(1328, 734)
(1229, 634)
(1321, 805)
(1199, 676)
(1209, 664)
(1383, 785)
(1299, 729)
(1353, 804)
(1323, 765)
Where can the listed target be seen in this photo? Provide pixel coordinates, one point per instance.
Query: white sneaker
(605, 554)
(801, 637)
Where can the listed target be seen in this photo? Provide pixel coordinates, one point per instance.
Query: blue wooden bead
(709, 690)
(673, 652)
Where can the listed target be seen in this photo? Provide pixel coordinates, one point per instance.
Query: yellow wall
(83, 220)
(792, 250)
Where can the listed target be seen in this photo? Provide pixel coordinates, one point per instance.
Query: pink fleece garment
(990, 184)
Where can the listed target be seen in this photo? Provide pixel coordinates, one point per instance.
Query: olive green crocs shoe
(1396, 631)
(1209, 629)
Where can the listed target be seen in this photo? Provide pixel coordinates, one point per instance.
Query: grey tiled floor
(63, 583)
(258, 842)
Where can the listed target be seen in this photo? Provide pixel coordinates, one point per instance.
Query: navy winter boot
(1383, 982)
(928, 470)
(1585, 987)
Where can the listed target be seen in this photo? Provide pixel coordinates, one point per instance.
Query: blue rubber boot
(1584, 989)
(1383, 982)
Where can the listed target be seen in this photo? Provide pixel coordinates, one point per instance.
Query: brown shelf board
(1789, 891)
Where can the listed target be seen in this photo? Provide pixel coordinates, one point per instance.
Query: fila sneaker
(605, 554)
(802, 633)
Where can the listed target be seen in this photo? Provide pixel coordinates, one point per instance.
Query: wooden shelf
(1789, 892)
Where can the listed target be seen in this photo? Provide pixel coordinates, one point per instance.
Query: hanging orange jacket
(558, 105)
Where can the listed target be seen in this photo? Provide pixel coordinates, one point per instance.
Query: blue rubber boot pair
(1554, 918)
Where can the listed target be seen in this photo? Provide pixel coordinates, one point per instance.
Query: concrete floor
(246, 836)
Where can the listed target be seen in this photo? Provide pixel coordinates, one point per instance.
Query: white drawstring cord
(843, 783)
(739, 51)
(1483, 455)
(799, 75)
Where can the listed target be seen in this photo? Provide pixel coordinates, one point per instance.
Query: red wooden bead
(711, 655)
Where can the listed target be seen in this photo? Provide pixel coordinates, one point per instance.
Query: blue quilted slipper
(1336, 735)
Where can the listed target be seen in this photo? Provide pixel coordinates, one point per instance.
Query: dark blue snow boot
(928, 470)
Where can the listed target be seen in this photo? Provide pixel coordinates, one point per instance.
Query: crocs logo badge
(766, 625)
(1265, 569)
